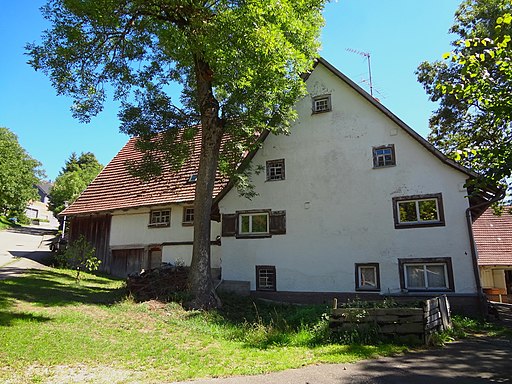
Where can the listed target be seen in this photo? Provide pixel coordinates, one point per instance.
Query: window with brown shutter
(229, 224)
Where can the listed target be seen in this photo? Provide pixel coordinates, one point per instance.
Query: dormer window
(192, 179)
(322, 104)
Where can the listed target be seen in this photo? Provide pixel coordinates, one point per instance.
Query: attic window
(192, 179)
(322, 104)
(275, 170)
(384, 156)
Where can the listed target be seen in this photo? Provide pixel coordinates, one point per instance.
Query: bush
(79, 255)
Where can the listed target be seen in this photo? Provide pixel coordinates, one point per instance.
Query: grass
(5, 223)
(52, 329)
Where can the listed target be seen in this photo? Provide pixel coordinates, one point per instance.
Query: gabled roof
(115, 188)
(493, 238)
(394, 118)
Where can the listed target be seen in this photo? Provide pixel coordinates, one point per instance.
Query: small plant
(80, 255)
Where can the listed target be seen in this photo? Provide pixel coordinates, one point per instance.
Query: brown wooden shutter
(229, 224)
(278, 222)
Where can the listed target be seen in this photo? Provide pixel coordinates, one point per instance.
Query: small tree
(80, 255)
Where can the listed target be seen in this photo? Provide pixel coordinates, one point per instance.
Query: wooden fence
(406, 324)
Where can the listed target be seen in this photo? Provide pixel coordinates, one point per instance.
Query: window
(421, 210)
(265, 278)
(322, 104)
(192, 179)
(188, 216)
(426, 274)
(160, 218)
(367, 277)
(384, 156)
(275, 170)
(253, 223)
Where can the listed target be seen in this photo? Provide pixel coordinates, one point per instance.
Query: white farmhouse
(353, 202)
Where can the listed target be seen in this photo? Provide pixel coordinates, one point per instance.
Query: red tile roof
(115, 188)
(493, 237)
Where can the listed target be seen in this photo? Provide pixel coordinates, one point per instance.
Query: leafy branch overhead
(236, 64)
(473, 86)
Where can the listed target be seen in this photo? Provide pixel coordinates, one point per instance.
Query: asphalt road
(22, 248)
(472, 361)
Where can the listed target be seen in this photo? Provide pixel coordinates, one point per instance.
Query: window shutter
(278, 222)
(229, 224)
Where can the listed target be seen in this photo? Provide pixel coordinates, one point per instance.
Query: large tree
(473, 85)
(75, 176)
(19, 173)
(239, 64)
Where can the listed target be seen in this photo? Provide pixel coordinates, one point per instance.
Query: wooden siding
(96, 229)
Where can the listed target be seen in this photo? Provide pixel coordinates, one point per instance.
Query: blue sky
(399, 35)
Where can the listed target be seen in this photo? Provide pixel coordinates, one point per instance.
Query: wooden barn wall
(96, 230)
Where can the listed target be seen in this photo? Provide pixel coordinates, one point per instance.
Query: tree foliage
(238, 64)
(80, 256)
(19, 173)
(75, 176)
(473, 85)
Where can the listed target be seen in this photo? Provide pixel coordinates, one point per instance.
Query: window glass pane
(259, 223)
(368, 277)
(428, 210)
(245, 224)
(407, 211)
(436, 276)
(415, 276)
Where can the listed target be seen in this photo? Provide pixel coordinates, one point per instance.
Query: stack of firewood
(158, 283)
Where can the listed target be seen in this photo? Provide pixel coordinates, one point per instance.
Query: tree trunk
(201, 284)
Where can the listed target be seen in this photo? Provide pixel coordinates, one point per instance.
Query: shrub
(79, 255)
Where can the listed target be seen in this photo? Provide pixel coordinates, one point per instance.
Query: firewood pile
(158, 283)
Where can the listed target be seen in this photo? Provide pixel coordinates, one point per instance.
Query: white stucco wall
(338, 208)
(129, 229)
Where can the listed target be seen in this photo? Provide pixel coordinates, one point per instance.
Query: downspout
(481, 297)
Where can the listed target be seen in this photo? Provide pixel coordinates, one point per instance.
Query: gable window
(161, 218)
(188, 216)
(426, 274)
(384, 156)
(321, 104)
(265, 278)
(419, 210)
(253, 223)
(367, 277)
(275, 170)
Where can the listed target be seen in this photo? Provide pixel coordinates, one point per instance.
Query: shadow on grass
(54, 288)
(8, 318)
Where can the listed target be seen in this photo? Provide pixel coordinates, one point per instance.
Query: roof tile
(493, 237)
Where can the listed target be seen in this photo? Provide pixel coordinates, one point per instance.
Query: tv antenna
(367, 56)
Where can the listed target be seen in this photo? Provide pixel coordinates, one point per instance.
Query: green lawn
(53, 330)
(4, 223)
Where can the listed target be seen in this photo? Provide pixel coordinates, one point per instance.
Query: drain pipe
(474, 257)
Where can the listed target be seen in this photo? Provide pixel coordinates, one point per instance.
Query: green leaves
(474, 89)
(19, 173)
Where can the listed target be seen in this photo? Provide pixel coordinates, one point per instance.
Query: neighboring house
(352, 203)
(493, 237)
(38, 210)
(134, 224)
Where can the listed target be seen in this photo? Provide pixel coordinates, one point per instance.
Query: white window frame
(417, 199)
(425, 276)
(160, 218)
(377, 156)
(359, 281)
(322, 104)
(251, 215)
(186, 222)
